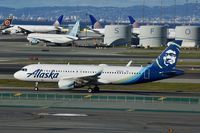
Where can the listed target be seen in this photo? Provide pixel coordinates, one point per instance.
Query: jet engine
(66, 84)
(34, 41)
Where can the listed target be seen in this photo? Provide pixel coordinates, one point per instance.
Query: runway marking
(62, 114)
(18, 94)
(130, 110)
(44, 107)
(162, 98)
(88, 96)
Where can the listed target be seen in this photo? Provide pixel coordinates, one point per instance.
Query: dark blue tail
(58, 22)
(131, 19)
(60, 19)
(168, 58)
(93, 20)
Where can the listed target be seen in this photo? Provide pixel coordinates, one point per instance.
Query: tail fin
(133, 22)
(58, 22)
(168, 58)
(7, 22)
(131, 19)
(94, 22)
(75, 29)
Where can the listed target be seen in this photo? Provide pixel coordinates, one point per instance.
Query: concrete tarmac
(23, 120)
(22, 50)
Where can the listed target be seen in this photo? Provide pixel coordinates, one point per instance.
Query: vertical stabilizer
(75, 29)
(58, 22)
(168, 58)
(94, 22)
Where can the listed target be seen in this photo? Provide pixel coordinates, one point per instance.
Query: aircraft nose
(17, 75)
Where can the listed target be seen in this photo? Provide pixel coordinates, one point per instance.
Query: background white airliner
(72, 76)
(6, 23)
(35, 38)
(26, 29)
(97, 28)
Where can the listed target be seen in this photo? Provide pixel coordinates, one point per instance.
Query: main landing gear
(36, 86)
(93, 90)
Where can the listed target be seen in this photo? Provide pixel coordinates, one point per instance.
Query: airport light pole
(174, 11)
(143, 14)
(186, 14)
(161, 11)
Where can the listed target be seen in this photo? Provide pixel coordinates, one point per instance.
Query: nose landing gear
(36, 86)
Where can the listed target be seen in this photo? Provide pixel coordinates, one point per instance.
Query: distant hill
(108, 13)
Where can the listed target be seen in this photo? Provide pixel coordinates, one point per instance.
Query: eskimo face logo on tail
(7, 22)
(39, 73)
(169, 58)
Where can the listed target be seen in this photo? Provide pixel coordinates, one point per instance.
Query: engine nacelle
(34, 41)
(66, 84)
(13, 32)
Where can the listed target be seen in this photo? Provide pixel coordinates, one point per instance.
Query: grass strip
(153, 86)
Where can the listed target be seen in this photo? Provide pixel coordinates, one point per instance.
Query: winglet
(129, 63)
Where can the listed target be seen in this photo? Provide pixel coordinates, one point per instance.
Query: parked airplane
(71, 76)
(96, 26)
(6, 23)
(26, 29)
(171, 34)
(35, 38)
(135, 26)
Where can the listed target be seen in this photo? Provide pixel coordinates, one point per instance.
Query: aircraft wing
(25, 30)
(97, 31)
(79, 80)
(49, 39)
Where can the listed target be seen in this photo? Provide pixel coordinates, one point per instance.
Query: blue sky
(98, 3)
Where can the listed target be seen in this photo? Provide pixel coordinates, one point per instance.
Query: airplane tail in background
(75, 29)
(6, 23)
(133, 22)
(58, 22)
(94, 22)
(168, 58)
(131, 19)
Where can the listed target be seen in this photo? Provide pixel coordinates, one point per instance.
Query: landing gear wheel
(36, 86)
(90, 90)
(36, 89)
(96, 89)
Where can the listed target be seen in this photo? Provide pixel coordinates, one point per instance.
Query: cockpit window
(24, 69)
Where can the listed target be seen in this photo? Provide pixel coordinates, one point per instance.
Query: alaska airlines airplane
(35, 38)
(26, 29)
(71, 76)
(6, 23)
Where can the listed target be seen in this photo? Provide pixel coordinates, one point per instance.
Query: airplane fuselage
(31, 28)
(54, 38)
(107, 74)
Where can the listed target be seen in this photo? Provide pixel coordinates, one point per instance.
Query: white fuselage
(100, 31)
(53, 73)
(31, 28)
(53, 38)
